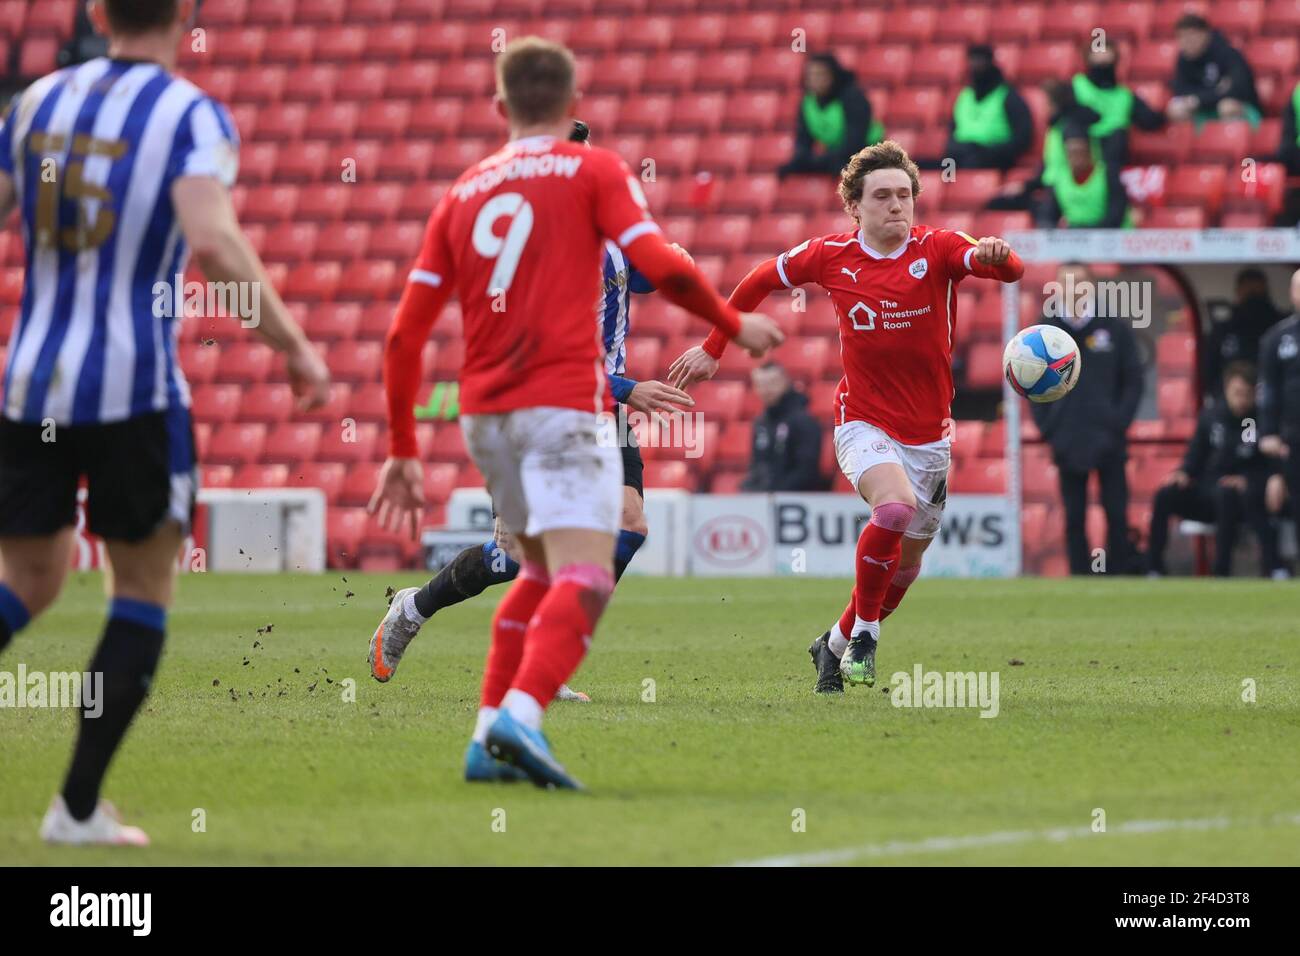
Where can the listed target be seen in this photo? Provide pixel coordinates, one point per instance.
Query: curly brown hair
(884, 155)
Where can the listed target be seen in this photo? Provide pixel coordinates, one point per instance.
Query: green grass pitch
(1128, 700)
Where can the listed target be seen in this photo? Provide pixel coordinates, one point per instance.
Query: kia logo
(730, 540)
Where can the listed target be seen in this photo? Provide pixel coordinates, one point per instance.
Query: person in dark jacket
(787, 440)
(1222, 480)
(1238, 338)
(1279, 397)
(1087, 429)
(1212, 80)
(1288, 153)
(991, 124)
(834, 120)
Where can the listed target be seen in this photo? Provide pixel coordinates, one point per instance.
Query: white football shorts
(548, 468)
(860, 446)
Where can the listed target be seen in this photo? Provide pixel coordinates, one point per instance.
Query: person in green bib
(991, 124)
(1288, 153)
(1117, 106)
(834, 119)
(1089, 195)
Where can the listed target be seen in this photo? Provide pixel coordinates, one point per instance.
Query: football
(1042, 363)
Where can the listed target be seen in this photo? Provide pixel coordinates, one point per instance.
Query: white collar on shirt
(862, 242)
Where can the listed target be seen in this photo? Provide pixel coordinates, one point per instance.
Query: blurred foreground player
(520, 236)
(496, 561)
(143, 164)
(893, 285)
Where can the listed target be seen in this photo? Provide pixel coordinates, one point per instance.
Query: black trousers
(1227, 509)
(1114, 501)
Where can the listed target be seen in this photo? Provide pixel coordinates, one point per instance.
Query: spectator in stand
(1032, 194)
(1088, 194)
(1212, 80)
(787, 439)
(1087, 429)
(1288, 153)
(1238, 338)
(834, 120)
(1117, 107)
(1223, 481)
(991, 124)
(1279, 397)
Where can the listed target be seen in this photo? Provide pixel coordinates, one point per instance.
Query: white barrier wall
(778, 534)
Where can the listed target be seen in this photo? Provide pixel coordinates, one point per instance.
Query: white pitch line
(946, 844)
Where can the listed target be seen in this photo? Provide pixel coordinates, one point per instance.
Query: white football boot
(104, 827)
(391, 637)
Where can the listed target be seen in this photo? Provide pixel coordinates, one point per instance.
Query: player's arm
(700, 363)
(621, 214)
(207, 219)
(1268, 398)
(7, 196)
(399, 493)
(986, 258)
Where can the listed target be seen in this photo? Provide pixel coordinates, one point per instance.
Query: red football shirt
(519, 236)
(897, 315)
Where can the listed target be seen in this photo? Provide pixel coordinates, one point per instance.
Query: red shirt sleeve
(794, 267)
(622, 213)
(959, 259)
(427, 289)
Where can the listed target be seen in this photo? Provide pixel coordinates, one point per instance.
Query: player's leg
(469, 574)
(38, 513)
(142, 585)
(142, 484)
(633, 527)
(32, 572)
(572, 482)
(909, 567)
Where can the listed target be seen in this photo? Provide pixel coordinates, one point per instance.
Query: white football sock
(871, 628)
(485, 717)
(409, 610)
(837, 642)
(523, 708)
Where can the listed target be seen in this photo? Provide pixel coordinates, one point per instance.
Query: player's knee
(595, 584)
(894, 515)
(36, 585)
(634, 521)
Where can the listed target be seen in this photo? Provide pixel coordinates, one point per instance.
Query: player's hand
(1274, 446)
(651, 397)
(399, 495)
(758, 334)
(683, 253)
(992, 251)
(1178, 478)
(1236, 482)
(309, 377)
(1275, 494)
(693, 365)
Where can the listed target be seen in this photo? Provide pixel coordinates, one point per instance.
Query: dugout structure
(1202, 263)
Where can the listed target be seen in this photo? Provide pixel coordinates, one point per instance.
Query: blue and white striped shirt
(93, 151)
(619, 278)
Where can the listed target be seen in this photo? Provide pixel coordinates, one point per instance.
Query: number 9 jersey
(93, 151)
(519, 237)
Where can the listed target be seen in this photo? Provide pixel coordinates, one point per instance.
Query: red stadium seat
(356, 362)
(369, 402)
(245, 363)
(52, 16)
(216, 476)
(216, 404)
(935, 65)
(334, 410)
(670, 474)
(1201, 186)
(888, 66)
(349, 443)
(344, 529)
(198, 361)
(267, 403)
(724, 70)
(328, 476)
(1175, 217)
(719, 400)
(735, 445)
(236, 443)
(1019, 24)
(984, 365)
(261, 475)
(359, 484)
(963, 24)
(313, 281)
(368, 280)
